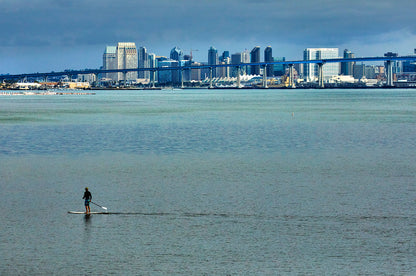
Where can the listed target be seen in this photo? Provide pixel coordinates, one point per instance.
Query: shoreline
(49, 93)
(17, 92)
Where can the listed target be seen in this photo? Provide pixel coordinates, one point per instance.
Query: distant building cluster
(126, 55)
(251, 72)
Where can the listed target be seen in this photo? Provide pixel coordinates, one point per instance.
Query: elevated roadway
(320, 63)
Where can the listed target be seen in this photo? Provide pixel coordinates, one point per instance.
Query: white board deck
(92, 213)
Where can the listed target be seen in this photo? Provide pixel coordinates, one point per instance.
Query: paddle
(105, 208)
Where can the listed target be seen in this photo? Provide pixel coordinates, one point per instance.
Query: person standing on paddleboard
(87, 197)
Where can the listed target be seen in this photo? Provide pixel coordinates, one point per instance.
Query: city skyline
(45, 35)
(319, 66)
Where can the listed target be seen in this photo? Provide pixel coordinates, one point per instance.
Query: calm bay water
(210, 182)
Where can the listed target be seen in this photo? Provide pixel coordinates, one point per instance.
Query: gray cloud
(229, 24)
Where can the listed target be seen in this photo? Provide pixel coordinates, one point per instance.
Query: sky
(54, 35)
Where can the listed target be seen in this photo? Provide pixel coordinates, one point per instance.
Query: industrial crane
(190, 51)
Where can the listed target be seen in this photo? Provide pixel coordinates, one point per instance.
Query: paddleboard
(92, 213)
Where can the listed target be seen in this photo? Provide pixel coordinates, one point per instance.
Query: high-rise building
(396, 64)
(143, 63)
(168, 76)
(196, 73)
(245, 58)
(127, 59)
(152, 64)
(268, 57)
(310, 70)
(359, 71)
(347, 67)
(225, 55)
(409, 66)
(372, 71)
(224, 72)
(213, 60)
(186, 73)
(298, 68)
(176, 54)
(255, 58)
(235, 59)
(110, 62)
(279, 69)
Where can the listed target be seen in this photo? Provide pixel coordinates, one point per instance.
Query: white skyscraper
(245, 58)
(110, 61)
(310, 70)
(127, 59)
(152, 64)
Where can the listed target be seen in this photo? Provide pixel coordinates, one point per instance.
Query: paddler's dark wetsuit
(87, 197)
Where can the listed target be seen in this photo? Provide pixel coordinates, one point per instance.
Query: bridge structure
(320, 62)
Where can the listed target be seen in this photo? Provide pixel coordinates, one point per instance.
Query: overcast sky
(53, 35)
